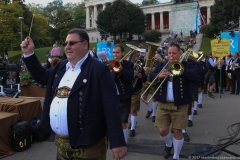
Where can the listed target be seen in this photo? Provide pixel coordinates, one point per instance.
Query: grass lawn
(206, 45)
(41, 52)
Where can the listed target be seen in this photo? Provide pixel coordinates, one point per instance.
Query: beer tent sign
(220, 48)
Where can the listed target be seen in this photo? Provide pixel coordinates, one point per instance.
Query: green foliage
(206, 45)
(222, 12)
(149, 2)
(120, 18)
(10, 26)
(152, 36)
(209, 31)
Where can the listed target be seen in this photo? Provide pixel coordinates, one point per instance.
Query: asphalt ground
(210, 123)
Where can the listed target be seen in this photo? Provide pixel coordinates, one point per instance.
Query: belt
(170, 101)
(63, 92)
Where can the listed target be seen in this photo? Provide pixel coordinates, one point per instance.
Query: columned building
(169, 17)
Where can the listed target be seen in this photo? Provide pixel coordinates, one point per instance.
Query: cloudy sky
(45, 2)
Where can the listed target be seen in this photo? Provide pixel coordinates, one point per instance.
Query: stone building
(170, 17)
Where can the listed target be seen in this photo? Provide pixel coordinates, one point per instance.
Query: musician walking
(236, 74)
(80, 122)
(135, 99)
(173, 98)
(123, 81)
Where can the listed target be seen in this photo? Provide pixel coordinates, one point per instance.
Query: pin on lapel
(85, 81)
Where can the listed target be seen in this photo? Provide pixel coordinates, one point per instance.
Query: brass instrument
(152, 47)
(175, 67)
(137, 69)
(116, 65)
(201, 56)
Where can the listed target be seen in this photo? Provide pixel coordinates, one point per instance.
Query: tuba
(152, 47)
(116, 65)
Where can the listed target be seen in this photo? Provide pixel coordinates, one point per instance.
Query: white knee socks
(125, 132)
(168, 139)
(133, 122)
(190, 116)
(195, 105)
(177, 145)
(200, 98)
(154, 108)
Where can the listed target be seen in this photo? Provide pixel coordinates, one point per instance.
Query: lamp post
(21, 18)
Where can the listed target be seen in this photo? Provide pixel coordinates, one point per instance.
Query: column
(87, 18)
(161, 21)
(153, 21)
(208, 14)
(104, 6)
(170, 20)
(92, 18)
(95, 16)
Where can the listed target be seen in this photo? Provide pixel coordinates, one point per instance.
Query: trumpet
(175, 67)
(116, 65)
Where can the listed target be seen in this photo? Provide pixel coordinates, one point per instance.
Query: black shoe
(167, 151)
(204, 92)
(232, 93)
(211, 96)
(216, 92)
(129, 126)
(237, 93)
(132, 133)
(195, 112)
(199, 105)
(190, 124)
(148, 114)
(153, 118)
(186, 137)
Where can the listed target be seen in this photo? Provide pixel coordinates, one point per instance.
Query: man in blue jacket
(173, 96)
(81, 105)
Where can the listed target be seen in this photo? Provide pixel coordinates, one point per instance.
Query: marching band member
(228, 62)
(236, 74)
(125, 90)
(210, 78)
(135, 100)
(173, 104)
(153, 107)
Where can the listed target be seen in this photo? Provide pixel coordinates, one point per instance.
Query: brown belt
(63, 92)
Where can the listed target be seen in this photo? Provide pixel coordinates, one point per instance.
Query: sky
(45, 2)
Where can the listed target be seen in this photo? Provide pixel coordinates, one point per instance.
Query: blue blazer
(237, 70)
(182, 85)
(124, 80)
(93, 109)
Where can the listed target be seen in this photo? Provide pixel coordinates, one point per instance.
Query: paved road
(212, 121)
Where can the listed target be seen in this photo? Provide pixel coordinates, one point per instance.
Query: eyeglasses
(71, 43)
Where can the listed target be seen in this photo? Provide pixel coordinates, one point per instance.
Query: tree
(149, 2)
(78, 13)
(120, 18)
(223, 12)
(10, 26)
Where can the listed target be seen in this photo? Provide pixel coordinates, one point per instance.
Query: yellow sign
(220, 48)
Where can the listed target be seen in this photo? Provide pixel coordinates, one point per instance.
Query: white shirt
(58, 109)
(227, 61)
(170, 96)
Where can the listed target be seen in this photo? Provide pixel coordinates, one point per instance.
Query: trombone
(175, 67)
(116, 65)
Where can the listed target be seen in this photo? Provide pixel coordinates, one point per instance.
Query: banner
(220, 48)
(233, 40)
(106, 47)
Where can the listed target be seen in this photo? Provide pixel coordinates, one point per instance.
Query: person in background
(56, 51)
